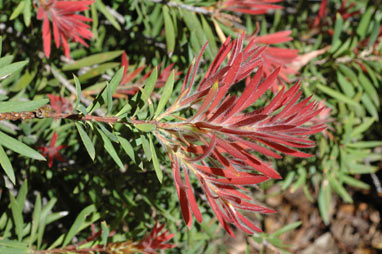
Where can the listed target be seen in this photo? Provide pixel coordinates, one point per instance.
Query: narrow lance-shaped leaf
(364, 23)
(112, 87)
(324, 201)
(110, 149)
(17, 217)
(337, 29)
(86, 140)
(6, 165)
(35, 219)
(20, 106)
(9, 69)
(27, 12)
(19, 147)
(92, 60)
(166, 94)
(77, 224)
(127, 147)
(102, 8)
(149, 85)
(78, 91)
(156, 164)
(17, 11)
(170, 31)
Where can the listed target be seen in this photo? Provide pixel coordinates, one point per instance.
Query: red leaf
(66, 23)
(242, 180)
(191, 199)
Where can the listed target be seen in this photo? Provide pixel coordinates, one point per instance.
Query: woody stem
(42, 113)
(104, 119)
(73, 250)
(80, 117)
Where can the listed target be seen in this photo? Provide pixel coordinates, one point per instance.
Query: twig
(377, 183)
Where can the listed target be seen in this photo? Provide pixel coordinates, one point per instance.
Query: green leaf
(13, 247)
(340, 189)
(369, 105)
(108, 133)
(365, 144)
(364, 23)
(300, 180)
(112, 87)
(374, 33)
(337, 95)
(24, 81)
(355, 183)
(94, 72)
(348, 72)
(102, 8)
(145, 127)
(86, 140)
(197, 35)
(9, 69)
(166, 93)
(346, 86)
(17, 11)
(324, 202)
(44, 214)
(27, 12)
(105, 233)
(35, 219)
(288, 180)
(78, 223)
(92, 60)
(127, 147)
(170, 30)
(362, 128)
(6, 165)
(156, 164)
(337, 28)
(20, 106)
(372, 73)
(78, 91)
(110, 149)
(6, 60)
(345, 47)
(124, 110)
(150, 84)
(369, 88)
(19, 147)
(286, 228)
(17, 217)
(96, 103)
(55, 216)
(210, 36)
(348, 126)
(146, 147)
(356, 168)
(22, 195)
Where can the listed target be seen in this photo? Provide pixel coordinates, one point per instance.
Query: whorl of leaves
(222, 142)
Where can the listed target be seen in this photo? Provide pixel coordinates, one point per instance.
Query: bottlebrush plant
(217, 142)
(184, 126)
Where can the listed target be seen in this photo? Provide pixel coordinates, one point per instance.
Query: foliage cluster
(95, 150)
